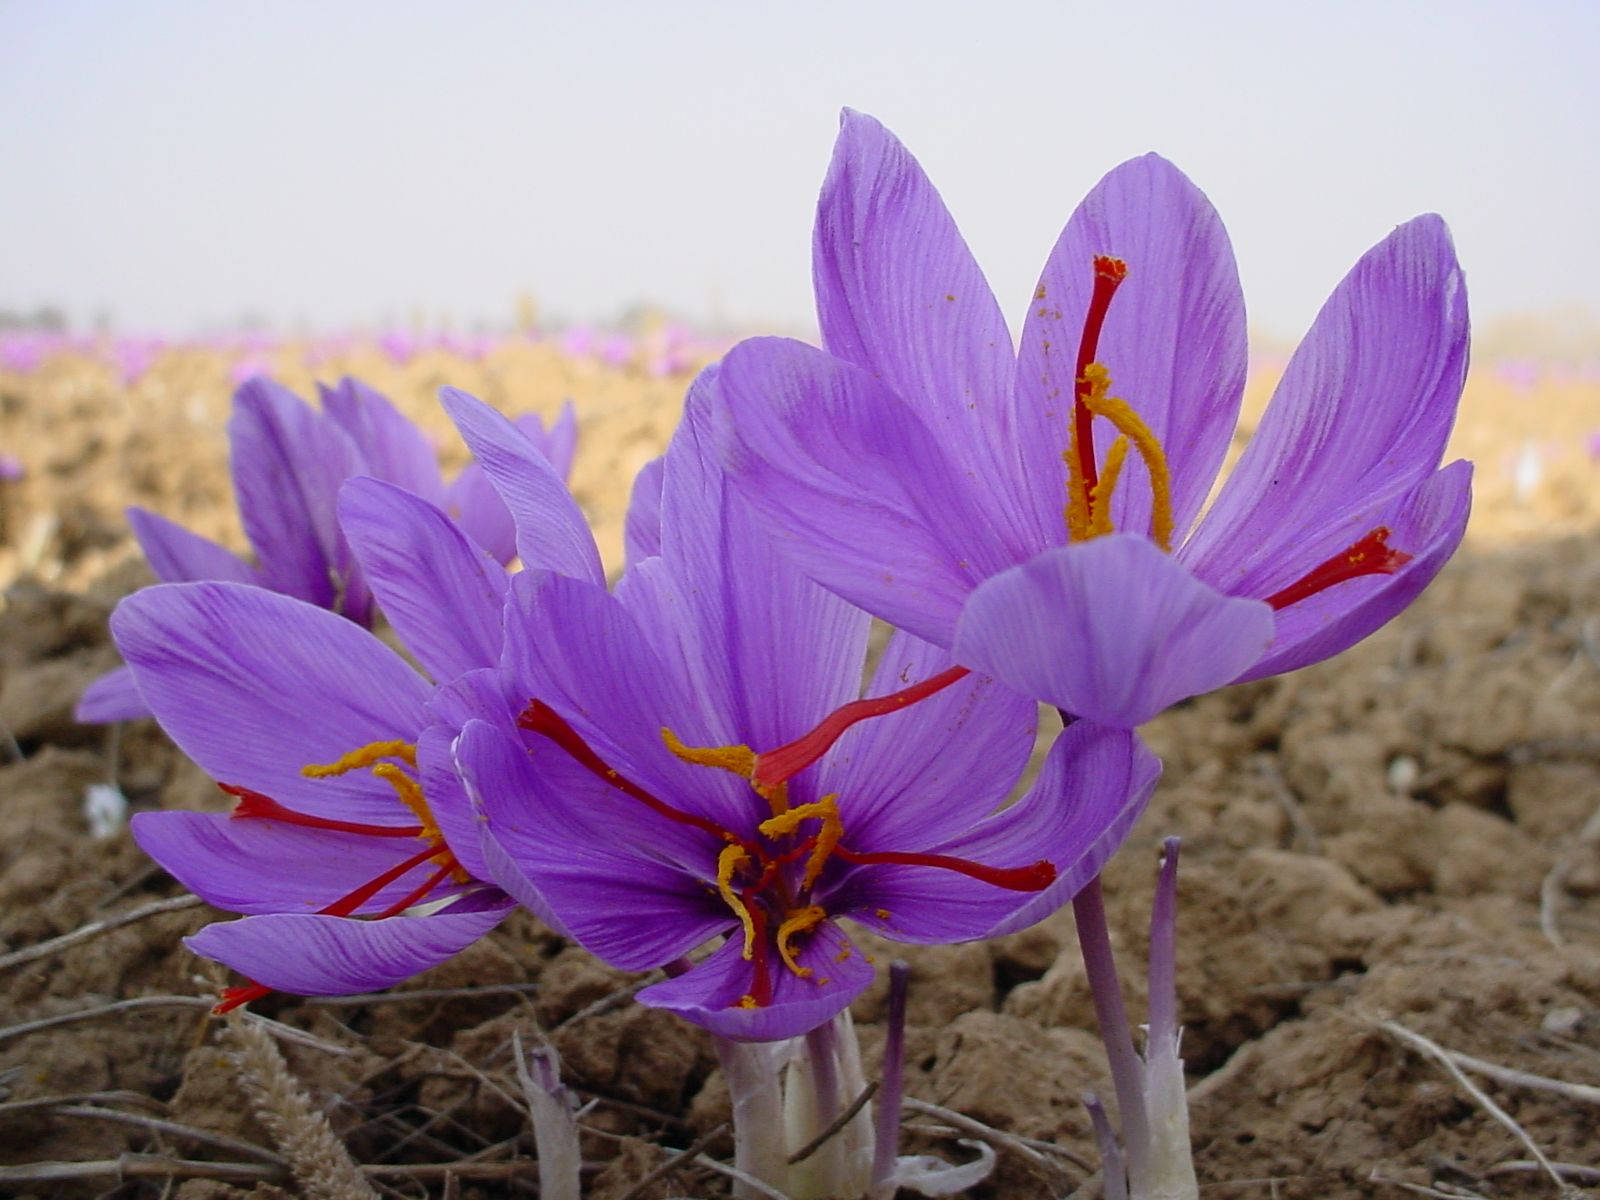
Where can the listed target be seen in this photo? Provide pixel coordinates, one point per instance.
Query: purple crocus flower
(288, 461)
(608, 762)
(1039, 512)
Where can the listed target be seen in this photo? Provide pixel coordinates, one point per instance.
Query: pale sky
(340, 164)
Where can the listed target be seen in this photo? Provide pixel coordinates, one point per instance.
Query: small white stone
(1562, 1022)
(105, 808)
(1403, 773)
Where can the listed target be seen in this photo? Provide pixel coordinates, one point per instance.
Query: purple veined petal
(442, 594)
(113, 697)
(254, 686)
(178, 555)
(709, 993)
(392, 448)
(1363, 410)
(1090, 793)
(777, 652)
(900, 296)
(309, 955)
(1173, 340)
(473, 504)
(1426, 521)
(942, 764)
(854, 488)
(287, 462)
(448, 800)
(246, 865)
(641, 532)
(1111, 630)
(551, 531)
(558, 443)
(488, 695)
(572, 645)
(594, 880)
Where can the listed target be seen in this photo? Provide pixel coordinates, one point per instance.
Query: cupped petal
(392, 448)
(590, 867)
(309, 955)
(641, 533)
(1112, 630)
(246, 865)
(113, 697)
(939, 765)
(551, 531)
(1173, 339)
(855, 490)
(900, 296)
(1089, 793)
(448, 800)
(473, 504)
(442, 594)
(1363, 410)
(774, 652)
(254, 686)
(1427, 522)
(559, 442)
(178, 555)
(709, 993)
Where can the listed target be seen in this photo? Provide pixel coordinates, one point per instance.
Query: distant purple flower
(1009, 507)
(11, 468)
(288, 461)
(597, 814)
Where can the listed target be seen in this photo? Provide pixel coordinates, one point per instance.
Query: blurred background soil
(1406, 835)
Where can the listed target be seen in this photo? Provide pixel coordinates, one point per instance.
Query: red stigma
(237, 997)
(1034, 877)
(1371, 555)
(255, 806)
(1109, 273)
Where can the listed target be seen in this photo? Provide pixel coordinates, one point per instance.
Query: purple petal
(1090, 792)
(309, 955)
(177, 555)
(392, 448)
(559, 443)
(1363, 410)
(942, 764)
(1427, 522)
(254, 686)
(113, 697)
(551, 530)
(855, 489)
(473, 504)
(442, 594)
(1112, 630)
(642, 530)
(709, 994)
(1173, 340)
(448, 799)
(899, 295)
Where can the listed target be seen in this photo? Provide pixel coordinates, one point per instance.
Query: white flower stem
(1171, 1161)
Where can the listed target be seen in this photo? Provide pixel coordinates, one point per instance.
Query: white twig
(94, 929)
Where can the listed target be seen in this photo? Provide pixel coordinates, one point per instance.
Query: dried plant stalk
(316, 1157)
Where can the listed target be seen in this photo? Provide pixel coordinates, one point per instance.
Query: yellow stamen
(738, 760)
(1078, 509)
(824, 810)
(363, 756)
(1100, 506)
(800, 921)
(729, 861)
(1128, 423)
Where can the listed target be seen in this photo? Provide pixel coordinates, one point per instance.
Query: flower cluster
(681, 768)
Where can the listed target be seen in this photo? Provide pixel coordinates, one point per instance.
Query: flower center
(769, 882)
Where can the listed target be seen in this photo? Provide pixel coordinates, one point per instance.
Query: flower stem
(886, 1145)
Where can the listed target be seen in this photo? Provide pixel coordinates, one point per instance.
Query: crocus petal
(900, 295)
(177, 555)
(754, 617)
(1112, 630)
(473, 504)
(595, 886)
(1363, 410)
(1090, 792)
(1427, 521)
(944, 763)
(559, 442)
(253, 686)
(709, 993)
(641, 533)
(1173, 340)
(442, 594)
(551, 530)
(246, 865)
(113, 697)
(855, 489)
(309, 955)
(392, 448)
(448, 799)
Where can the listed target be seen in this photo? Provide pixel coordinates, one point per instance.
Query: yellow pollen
(361, 757)
(800, 921)
(824, 810)
(1100, 504)
(748, 1001)
(729, 861)
(737, 760)
(1090, 516)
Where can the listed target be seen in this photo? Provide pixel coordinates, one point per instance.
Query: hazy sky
(342, 163)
